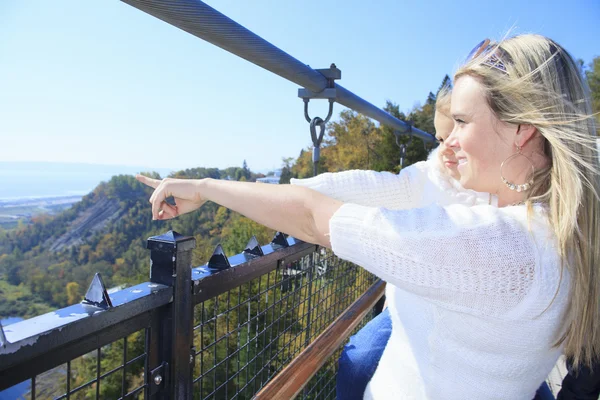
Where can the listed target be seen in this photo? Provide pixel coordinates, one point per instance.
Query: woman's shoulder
(532, 225)
(532, 216)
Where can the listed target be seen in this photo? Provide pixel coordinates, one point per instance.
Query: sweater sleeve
(474, 259)
(365, 188)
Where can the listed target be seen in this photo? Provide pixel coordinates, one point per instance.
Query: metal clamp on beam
(324, 94)
(331, 74)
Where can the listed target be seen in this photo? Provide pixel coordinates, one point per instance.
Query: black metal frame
(161, 308)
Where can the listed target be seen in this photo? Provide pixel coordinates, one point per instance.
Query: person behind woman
(483, 298)
(582, 383)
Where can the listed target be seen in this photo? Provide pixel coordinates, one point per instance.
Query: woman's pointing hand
(185, 192)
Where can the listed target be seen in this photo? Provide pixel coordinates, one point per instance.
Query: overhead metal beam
(203, 21)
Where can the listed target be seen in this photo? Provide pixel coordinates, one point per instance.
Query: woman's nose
(451, 141)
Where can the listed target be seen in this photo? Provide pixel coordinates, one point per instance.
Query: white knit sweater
(467, 283)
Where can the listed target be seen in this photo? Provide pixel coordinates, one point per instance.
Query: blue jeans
(360, 357)
(544, 393)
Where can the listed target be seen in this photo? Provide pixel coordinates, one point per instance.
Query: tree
(593, 78)
(431, 99)
(349, 142)
(286, 170)
(387, 149)
(385, 154)
(303, 167)
(73, 295)
(238, 232)
(446, 82)
(246, 171)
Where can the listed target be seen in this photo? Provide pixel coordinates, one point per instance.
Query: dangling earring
(513, 186)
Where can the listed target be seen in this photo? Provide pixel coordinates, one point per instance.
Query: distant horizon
(141, 168)
(30, 180)
(8, 200)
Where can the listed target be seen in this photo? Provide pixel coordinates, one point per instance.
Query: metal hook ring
(313, 130)
(410, 138)
(329, 113)
(306, 116)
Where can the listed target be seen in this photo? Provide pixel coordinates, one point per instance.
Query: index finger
(148, 181)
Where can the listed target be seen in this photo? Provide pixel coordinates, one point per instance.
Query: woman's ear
(525, 133)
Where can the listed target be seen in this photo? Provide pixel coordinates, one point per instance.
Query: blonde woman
(361, 355)
(483, 298)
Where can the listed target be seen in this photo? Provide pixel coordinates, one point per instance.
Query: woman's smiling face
(479, 140)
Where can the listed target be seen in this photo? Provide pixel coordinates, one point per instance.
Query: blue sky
(101, 82)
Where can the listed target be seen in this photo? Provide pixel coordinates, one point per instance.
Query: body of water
(36, 180)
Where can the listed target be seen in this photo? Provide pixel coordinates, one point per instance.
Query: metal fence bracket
(97, 295)
(279, 241)
(253, 248)
(219, 260)
(3, 340)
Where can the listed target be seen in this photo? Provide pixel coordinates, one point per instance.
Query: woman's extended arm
(473, 259)
(298, 211)
(367, 188)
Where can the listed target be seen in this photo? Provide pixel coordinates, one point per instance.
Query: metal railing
(219, 331)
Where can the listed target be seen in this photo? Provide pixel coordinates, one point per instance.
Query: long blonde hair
(530, 79)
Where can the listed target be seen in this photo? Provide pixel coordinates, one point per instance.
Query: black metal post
(171, 264)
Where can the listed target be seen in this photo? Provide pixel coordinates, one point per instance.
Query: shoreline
(40, 200)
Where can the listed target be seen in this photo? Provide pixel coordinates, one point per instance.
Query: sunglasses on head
(481, 50)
